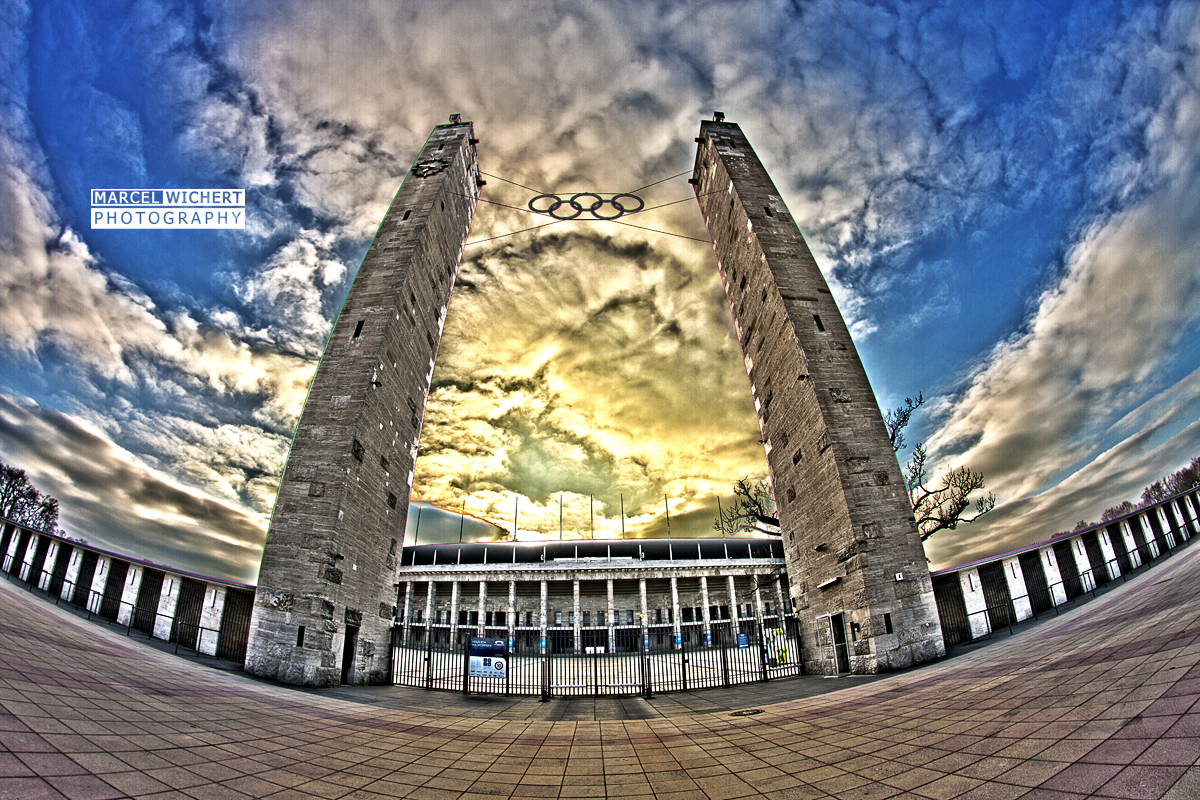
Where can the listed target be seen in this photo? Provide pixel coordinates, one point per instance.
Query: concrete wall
(851, 542)
(338, 526)
(1177, 517)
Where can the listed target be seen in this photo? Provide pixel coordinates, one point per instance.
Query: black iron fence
(756, 653)
(228, 642)
(1000, 612)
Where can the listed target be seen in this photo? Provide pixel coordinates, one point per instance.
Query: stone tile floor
(1100, 702)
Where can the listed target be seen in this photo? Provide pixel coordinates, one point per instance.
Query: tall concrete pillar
(676, 622)
(734, 611)
(611, 620)
(481, 627)
(430, 600)
(338, 525)
(846, 522)
(704, 610)
(453, 612)
(545, 610)
(779, 604)
(511, 615)
(1014, 578)
(48, 569)
(129, 593)
(576, 640)
(406, 616)
(1058, 591)
(210, 619)
(645, 612)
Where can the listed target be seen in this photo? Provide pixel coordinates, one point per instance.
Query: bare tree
(753, 509)
(1184, 479)
(941, 507)
(21, 502)
(897, 419)
(1154, 493)
(1119, 510)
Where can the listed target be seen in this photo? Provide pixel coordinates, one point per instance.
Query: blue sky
(1004, 198)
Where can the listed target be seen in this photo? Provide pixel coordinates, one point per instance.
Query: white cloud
(1056, 400)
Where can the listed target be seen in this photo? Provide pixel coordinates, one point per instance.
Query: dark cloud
(111, 499)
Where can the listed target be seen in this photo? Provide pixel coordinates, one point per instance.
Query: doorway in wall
(841, 649)
(348, 648)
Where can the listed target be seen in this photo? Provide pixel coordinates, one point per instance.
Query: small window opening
(356, 449)
(820, 325)
(358, 329)
(407, 212)
(383, 462)
(300, 636)
(799, 454)
(391, 500)
(443, 205)
(768, 210)
(887, 623)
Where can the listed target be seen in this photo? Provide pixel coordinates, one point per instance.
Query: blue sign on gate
(743, 641)
(488, 658)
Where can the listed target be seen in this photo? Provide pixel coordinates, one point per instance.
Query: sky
(1004, 198)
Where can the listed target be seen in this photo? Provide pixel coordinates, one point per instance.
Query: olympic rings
(595, 206)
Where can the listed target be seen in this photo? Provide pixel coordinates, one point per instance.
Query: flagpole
(668, 508)
(461, 519)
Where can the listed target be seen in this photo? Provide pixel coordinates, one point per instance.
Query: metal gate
(952, 609)
(145, 611)
(83, 581)
(59, 575)
(1000, 613)
(114, 585)
(186, 629)
(757, 654)
(1040, 599)
(235, 624)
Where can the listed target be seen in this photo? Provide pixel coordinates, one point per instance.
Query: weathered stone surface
(343, 506)
(847, 525)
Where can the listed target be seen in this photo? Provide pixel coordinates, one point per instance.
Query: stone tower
(855, 563)
(326, 594)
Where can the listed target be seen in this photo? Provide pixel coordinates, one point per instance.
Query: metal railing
(182, 634)
(757, 653)
(1075, 588)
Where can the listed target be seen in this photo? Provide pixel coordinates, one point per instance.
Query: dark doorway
(841, 650)
(996, 596)
(187, 612)
(19, 553)
(39, 561)
(146, 611)
(114, 587)
(1068, 569)
(1118, 544)
(235, 624)
(83, 581)
(1091, 546)
(1040, 599)
(952, 609)
(1139, 539)
(348, 648)
(59, 574)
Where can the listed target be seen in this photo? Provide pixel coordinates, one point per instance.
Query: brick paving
(1100, 702)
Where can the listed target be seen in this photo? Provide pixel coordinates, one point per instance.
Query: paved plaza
(1099, 702)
